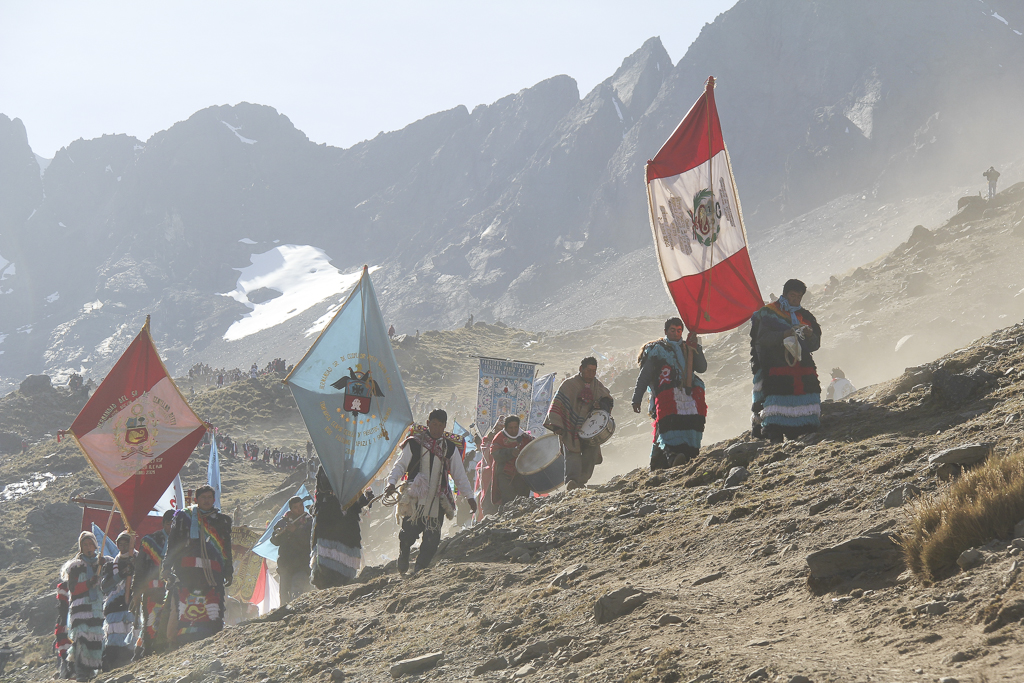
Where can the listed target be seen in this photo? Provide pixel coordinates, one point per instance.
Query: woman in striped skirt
(85, 615)
(787, 392)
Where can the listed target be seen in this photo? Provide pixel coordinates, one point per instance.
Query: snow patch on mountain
(238, 135)
(301, 273)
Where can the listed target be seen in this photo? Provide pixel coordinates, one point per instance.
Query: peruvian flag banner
(698, 226)
(137, 430)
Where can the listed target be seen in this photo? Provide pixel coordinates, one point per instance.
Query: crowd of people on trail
(172, 591)
(220, 377)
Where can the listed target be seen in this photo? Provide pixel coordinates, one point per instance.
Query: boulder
(617, 603)
(958, 389)
(1018, 529)
(33, 385)
(969, 454)
(871, 552)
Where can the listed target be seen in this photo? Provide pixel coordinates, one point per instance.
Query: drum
(542, 464)
(598, 428)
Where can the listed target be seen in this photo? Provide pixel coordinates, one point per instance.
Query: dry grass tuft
(981, 505)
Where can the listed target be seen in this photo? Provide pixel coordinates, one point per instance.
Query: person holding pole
(678, 406)
(197, 569)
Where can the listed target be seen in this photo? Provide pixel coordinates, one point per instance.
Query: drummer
(577, 397)
(677, 404)
(504, 442)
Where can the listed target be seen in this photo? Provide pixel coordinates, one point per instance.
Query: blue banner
(543, 390)
(263, 547)
(350, 394)
(505, 388)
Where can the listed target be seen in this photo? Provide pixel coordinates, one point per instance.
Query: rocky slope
(528, 210)
(676, 577)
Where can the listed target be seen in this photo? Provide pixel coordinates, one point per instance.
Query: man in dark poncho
(199, 560)
(787, 392)
(336, 541)
(292, 536)
(149, 591)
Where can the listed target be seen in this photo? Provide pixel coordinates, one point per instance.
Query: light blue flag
(263, 547)
(459, 430)
(543, 390)
(109, 547)
(213, 471)
(352, 357)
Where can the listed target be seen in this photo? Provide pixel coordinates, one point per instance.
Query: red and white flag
(137, 430)
(698, 226)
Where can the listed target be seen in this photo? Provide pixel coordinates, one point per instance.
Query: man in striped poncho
(576, 398)
(787, 392)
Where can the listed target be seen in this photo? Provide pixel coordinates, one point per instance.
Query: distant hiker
(391, 331)
(309, 448)
(505, 441)
(428, 457)
(150, 592)
(840, 387)
(254, 371)
(199, 560)
(337, 541)
(85, 619)
(61, 642)
(678, 412)
(24, 446)
(575, 399)
(292, 535)
(992, 175)
(787, 393)
(118, 620)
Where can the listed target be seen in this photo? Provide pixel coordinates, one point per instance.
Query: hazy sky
(341, 71)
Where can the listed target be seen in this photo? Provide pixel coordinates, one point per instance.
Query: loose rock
(723, 495)
(970, 454)
(971, 558)
(873, 552)
(666, 619)
(618, 602)
(900, 495)
(737, 475)
(416, 664)
(492, 664)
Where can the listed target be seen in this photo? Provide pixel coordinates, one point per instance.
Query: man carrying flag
(679, 412)
(701, 246)
(198, 567)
